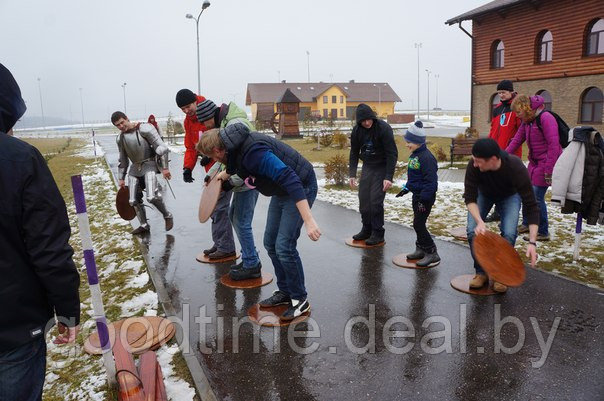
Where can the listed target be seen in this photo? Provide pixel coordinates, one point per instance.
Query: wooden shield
(209, 198)
(122, 205)
(499, 259)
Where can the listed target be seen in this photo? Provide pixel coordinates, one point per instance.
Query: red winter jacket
(504, 125)
(193, 131)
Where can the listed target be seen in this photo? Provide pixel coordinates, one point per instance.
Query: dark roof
(487, 8)
(308, 92)
(288, 97)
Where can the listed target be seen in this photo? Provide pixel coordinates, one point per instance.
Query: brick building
(553, 48)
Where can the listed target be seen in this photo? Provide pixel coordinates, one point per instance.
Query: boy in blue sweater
(422, 181)
(276, 170)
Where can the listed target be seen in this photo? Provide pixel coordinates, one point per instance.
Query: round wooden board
(499, 259)
(270, 316)
(203, 258)
(459, 233)
(362, 244)
(402, 261)
(243, 284)
(122, 204)
(209, 198)
(92, 345)
(462, 283)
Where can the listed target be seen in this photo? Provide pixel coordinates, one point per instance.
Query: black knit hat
(206, 110)
(485, 148)
(505, 85)
(185, 97)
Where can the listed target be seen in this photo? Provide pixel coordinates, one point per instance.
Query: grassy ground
(73, 374)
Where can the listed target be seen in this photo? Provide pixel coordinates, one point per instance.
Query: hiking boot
(500, 288)
(238, 266)
(169, 222)
(362, 235)
(246, 273)
(430, 259)
(375, 239)
(522, 229)
(478, 281)
(141, 230)
(209, 251)
(540, 237)
(418, 254)
(278, 298)
(295, 309)
(221, 255)
(492, 217)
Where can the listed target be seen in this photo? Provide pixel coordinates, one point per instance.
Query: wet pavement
(377, 331)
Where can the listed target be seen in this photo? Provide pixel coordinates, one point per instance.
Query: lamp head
(189, 16)
(205, 4)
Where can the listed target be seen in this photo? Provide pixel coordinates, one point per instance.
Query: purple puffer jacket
(544, 146)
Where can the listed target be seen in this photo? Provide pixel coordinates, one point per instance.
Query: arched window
(497, 54)
(547, 97)
(594, 41)
(545, 43)
(495, 99)
(592, 102)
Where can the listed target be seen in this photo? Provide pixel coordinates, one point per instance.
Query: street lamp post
(205, 5)
(82, 103)
(308, 64)
(436, 76)
(428, 109)
(379, 87)
(124, 88)
(418, 46)
(41, 104)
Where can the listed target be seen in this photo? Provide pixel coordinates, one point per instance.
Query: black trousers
(424, 239)
(371, 198)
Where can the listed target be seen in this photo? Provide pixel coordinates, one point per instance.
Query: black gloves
(404, 191)
(187, 175)
(205, 160)
(226, 186)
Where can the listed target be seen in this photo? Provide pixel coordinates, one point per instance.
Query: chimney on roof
(283, 81)
(351, 81)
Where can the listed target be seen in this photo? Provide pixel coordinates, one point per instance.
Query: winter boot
(418, 254)
(362, 235)
(430, 259)
(375, 238)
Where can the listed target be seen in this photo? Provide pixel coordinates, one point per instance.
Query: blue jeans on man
(543, 223)
(241, 214)
(22, 371)
(508, 208)
(281, 235)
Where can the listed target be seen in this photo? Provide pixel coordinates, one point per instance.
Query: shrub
(326, 140)
(340, 139)
(438, 152)
(178, 129)
(336, 169)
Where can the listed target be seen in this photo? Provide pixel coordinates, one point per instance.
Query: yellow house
(327, 100)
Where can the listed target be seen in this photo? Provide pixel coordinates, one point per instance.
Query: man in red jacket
(504, 124)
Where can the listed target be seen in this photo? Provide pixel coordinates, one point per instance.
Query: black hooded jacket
(375, 146)
(38, 276)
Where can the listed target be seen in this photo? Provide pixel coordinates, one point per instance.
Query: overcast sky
(150, 45)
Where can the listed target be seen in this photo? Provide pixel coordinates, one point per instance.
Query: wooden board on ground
(203, 258)
(209, 198)
(462, 283)
(459, 233)
(362, 244)
(402, 261)
(270, 316)
(499, 259)
(122, 204)
(265, 279)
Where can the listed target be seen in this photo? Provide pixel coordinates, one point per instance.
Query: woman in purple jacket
(543, 151)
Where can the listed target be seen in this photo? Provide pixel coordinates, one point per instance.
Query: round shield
(499, 259)
(122, 204)
(209, 198)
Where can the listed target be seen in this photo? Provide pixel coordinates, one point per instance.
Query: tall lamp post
(379, 87)
(124, 88)
(436, 76)
(418, 46)
(428, 109)
(308, 64)
(205, 5)
(41, 104)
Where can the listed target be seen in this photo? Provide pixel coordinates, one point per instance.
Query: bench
(461, 147)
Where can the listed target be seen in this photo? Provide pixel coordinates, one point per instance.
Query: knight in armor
(141, 144)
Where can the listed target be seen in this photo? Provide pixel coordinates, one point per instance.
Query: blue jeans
(508, 208)
(281, 235)
(22, 371)
(543, 224)
(241, 215)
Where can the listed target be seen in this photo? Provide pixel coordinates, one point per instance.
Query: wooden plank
(130, 388)
(147, 373)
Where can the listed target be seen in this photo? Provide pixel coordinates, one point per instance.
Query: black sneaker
(492, 217)
(431, 259)
(375, 239)
(221, 255)
(237, 266)
(361, 235)
(209, 251)
(296, 309)
(278, 298)
(418, 254)
(246, 274)
(141, 230)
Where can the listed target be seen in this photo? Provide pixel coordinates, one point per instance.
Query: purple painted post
(93, 278)
(578, 229)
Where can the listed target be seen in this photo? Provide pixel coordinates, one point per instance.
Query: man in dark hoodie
(39, 278)
(372, 141)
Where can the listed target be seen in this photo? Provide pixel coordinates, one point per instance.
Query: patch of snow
(176, 388)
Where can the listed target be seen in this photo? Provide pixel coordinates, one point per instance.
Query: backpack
(563, 127)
